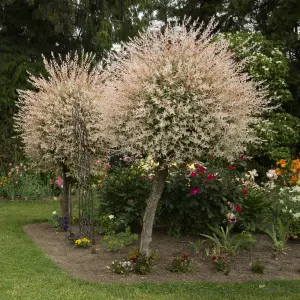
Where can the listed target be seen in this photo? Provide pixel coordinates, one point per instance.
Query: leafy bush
(115, 242)
(257, 208)
(124, 192)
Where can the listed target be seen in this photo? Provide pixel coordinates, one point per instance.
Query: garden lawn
(27, 273)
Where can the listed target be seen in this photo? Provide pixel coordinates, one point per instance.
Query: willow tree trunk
(66, 202)
(149, 215)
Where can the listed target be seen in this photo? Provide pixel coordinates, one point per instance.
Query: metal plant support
(85, 192)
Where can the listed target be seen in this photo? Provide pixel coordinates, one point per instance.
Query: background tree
(46, 117)
(31, 28)
(163, 89)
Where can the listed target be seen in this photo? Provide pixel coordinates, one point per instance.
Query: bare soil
(81, 263)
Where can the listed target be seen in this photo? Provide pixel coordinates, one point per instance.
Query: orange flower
(278, 172)
(282, 163)
(294, 179)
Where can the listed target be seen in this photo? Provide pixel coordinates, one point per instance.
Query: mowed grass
(27, 273)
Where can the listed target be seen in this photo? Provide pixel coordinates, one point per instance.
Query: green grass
(27, 273)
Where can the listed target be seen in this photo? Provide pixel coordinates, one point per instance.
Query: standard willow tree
(47, 116)
(180, 96)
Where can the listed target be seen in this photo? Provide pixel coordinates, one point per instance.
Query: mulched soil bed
(81, 263)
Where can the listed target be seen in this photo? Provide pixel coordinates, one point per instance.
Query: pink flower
(97, 162)
(131, 201)
(194, 191)
(211, 176)
(150, 177)
(59, 182)
(193, 174)
(140, 156)
(100, 186)
(245, 192)
(143, 176)
(106, 165)
(201, 170)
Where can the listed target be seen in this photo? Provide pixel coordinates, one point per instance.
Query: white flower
(271, 174)
(54, 212)
(111, 216)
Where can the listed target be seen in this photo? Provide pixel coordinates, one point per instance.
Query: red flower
(214, 258)
(194, 191)
(134, 259)
(143, 176)
(245, 192)
(211, 176)
(196, 166)
(186, 257)
(232, 167)
(242, 157)
(201, 170)
(238, 209)
(193, 174)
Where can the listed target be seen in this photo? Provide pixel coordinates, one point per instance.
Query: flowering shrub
(180, 264)
(141, 264)
(121, 267)
(198, 193)
(82, 243)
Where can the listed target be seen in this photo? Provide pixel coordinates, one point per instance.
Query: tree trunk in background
(149, 215)
(66, 202)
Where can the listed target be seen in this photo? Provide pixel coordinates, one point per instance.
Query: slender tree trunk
(152, 202)
(66, 202)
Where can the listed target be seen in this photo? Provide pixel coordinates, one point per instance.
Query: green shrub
(124, 193)
(115, 242)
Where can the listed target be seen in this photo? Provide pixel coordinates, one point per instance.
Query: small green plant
(196, 246)
(141, 264)
(59, 222)
(82, 243)
(258, 268)
(279, 235)
(220, 262)
(180, 264)
(226, 242)
(115, 242)
(122, 267)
